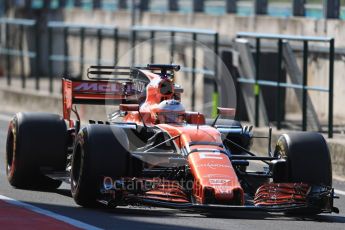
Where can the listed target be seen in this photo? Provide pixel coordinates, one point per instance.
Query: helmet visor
(171, 117)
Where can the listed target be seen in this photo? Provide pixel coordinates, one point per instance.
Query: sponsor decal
(216, 176)
(213, 166)
(218, 181)
(223, 190)
(211, 155)
(98, 87)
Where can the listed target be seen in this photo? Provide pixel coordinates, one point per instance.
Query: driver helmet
(170, 111)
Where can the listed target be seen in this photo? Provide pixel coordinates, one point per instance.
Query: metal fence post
(7, 6)
(305, 83)
(331, 8)
(172, 46)
(261, 7)
(279, 94)
(8, 57)
(123, 4)
(99, 46)
(231, 6)
(144, 5)
(331, 85)
(28, 4)
(50, 61)
(96, 4)
(81, 56)
(62, 3)
(298, 7)
(193, 70)
(134, 37)
(152, 44)
(133, 12)
(46, 4)
(38, 54)
(257, 78)
(22, 62)
(173, 5)
(198, 6)
(77, 3)
(216, 92)
(65, 38)
(116, 46)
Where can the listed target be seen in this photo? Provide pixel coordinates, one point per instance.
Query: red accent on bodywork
(281, 194)
(167, 190)
(67, 98)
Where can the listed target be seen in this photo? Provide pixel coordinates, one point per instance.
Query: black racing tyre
(35, 142)
(100, 150)
(308, 158)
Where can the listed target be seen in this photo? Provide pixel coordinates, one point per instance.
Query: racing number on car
(210, 155)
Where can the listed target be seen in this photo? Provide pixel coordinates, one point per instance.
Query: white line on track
(339, 192)
(53, 215)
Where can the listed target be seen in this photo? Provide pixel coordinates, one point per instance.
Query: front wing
(272, 197)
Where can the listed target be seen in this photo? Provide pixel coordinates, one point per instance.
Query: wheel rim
(9, 153)
(76, 167)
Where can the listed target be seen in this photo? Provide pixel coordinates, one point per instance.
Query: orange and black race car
(153, 152)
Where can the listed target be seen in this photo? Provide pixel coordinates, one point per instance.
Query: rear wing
(107, 85)
(95, 93)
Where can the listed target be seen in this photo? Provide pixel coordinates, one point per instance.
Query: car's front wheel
(100, 150)
(307, 161)
(308, 158)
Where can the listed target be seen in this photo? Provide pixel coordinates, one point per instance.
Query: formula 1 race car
(153, 152)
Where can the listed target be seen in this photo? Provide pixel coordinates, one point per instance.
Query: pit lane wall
(15, 100)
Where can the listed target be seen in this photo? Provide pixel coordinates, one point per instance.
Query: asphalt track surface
(60, 202)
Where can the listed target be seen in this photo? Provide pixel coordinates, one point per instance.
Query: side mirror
(226, 111)
(129, 107)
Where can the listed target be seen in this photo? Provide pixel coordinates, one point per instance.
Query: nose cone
(215, 180)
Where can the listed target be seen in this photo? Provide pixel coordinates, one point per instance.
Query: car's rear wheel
(36, 142)
(100, 150)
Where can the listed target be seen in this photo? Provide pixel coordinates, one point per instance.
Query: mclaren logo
(98, 87)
